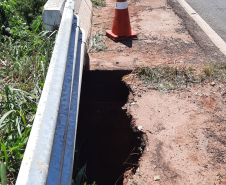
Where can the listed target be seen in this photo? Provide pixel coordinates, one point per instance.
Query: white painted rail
(54, 109)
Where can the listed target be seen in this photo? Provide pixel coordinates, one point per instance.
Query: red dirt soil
(162, 38)
(186, 135)
(186, 139)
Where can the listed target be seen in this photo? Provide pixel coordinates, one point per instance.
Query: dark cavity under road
(105, 141)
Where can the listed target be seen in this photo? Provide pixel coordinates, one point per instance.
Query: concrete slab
(85, 14)
(52, 13)
(77, 6)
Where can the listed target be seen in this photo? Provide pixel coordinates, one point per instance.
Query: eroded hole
(106, 142)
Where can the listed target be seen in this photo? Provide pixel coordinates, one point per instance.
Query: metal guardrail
(49, 154)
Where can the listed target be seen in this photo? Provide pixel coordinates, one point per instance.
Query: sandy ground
(186, 135)
(162, 38)
(186, 140)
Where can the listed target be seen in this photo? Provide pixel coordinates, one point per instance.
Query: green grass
(25, 53)
(208, 70)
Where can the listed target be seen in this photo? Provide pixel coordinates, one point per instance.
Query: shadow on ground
(105, 138)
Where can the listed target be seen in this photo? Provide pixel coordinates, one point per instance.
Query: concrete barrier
(49, 155)
(52, 13)
(35, 164)
(85, 14)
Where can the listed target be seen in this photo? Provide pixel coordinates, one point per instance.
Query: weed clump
(208, 70)
(190, 69)
(97, 43)
(98, 3)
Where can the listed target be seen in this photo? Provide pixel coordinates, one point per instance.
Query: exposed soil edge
(199, 36)
(139, 146)
(214, 152)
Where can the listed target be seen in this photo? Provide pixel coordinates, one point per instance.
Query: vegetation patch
(97, 42)
(98, 3)
(25, 52)
(166, 78)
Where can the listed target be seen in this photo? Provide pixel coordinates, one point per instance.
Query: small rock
(133, 103)
(117, 62)
(223, 93)
(139, 94)
(156, 178)
(161, 86)
(212, 83)
(181, 61)
(147, 149)
(149, 131)
(140, 128)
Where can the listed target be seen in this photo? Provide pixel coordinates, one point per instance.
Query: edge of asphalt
(204, 36)
(216, 39)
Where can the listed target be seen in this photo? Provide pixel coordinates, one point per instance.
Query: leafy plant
(3, 174)
(30, 9)
(4, 17)
(15, 124)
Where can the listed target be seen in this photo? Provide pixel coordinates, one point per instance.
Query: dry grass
(166, 78)
(97, 42)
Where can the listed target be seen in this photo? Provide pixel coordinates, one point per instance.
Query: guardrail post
(52, 13)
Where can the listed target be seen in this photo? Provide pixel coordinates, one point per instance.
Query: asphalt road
(213, 12)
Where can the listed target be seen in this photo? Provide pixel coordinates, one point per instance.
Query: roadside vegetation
(167, 78)
(97, 41)
(98, 3)
(25, 52)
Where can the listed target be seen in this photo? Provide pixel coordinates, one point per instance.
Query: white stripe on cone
(121, 5)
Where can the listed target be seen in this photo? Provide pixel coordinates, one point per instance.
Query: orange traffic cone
(121, 28)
